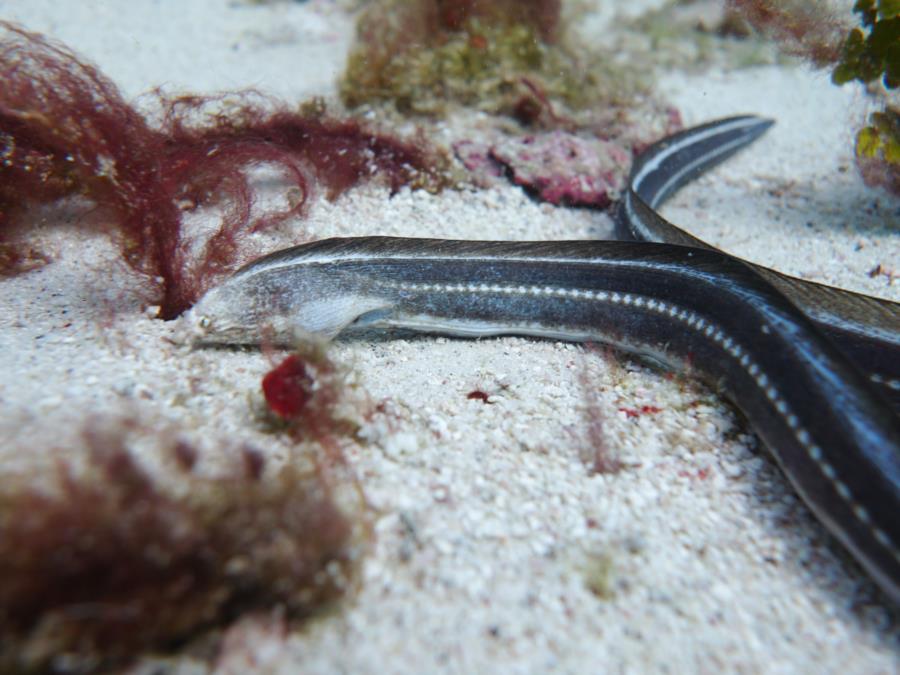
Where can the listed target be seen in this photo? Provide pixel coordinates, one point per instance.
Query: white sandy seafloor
(491, 531)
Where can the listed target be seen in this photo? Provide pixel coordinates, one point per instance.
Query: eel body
(835, 437)
(866, 329)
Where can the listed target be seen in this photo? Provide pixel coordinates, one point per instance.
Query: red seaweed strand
(66, 130)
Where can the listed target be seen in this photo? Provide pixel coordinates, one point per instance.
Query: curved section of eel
(834, 437)
(867, 329)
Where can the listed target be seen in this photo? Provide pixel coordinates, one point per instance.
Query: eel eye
(204, 322)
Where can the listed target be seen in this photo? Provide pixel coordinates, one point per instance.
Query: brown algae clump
(508, 58)
(110, 559)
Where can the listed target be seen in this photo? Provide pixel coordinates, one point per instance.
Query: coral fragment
(306, 396)
(565, 169)
(288, 387)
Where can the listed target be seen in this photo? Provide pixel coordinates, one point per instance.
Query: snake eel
(811, 367)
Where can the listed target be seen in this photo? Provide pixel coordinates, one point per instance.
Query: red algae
(631, 413)
(66, 130)
(110, 560)
(597, 455)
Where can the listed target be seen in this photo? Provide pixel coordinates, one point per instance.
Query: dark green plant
(881, 137)
(868, 53)
(872, 51)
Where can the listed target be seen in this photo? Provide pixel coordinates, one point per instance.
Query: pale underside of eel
(803, 362)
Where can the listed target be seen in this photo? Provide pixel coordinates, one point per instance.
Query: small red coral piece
(288, 388)
(478, 395)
